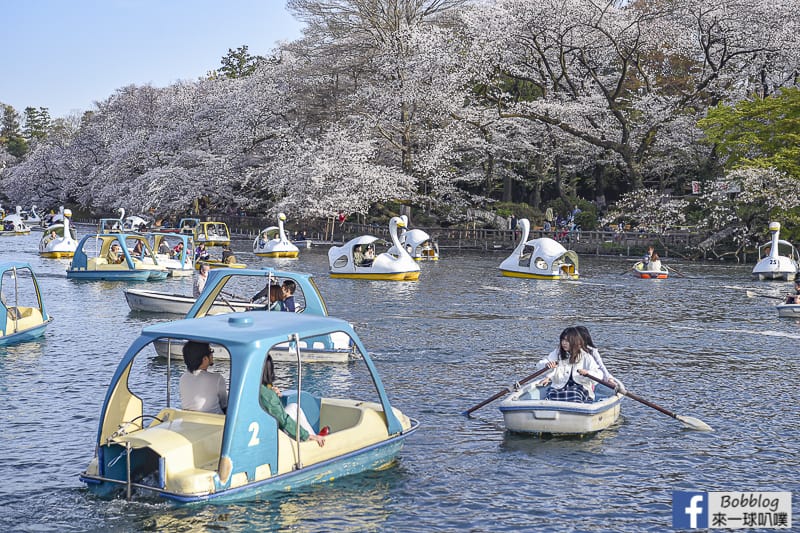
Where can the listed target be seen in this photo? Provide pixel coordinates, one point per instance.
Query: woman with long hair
(571, 364)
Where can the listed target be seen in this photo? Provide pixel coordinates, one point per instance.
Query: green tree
(37, 123)
(239, 63)
(762, 133)
(10, 136)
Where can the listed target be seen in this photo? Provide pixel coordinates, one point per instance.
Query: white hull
(161, 302)
(775, 276)
(788, 310)
(524, 412)
(773, 265)
(401, 267)
(541, 258)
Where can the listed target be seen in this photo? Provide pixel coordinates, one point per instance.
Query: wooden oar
(673, 269)
(753, 294)
(690, 421)
(505, 391)
(227, 302)
(628, 269)
(234, 296)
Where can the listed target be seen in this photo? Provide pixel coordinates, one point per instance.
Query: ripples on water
(696, 345)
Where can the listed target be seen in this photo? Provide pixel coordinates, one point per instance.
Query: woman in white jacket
(571, 365)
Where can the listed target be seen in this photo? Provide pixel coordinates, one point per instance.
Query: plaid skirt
(572, 392)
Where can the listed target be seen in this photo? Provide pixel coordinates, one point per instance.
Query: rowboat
(179, 304)
(525, 411)
(157, 449)
(91, 259)
(642, 273)
(22, 313)
(272, 242)
(788, 310)
(541, 258)
(59, 240)
(773, 266)
(346, 262)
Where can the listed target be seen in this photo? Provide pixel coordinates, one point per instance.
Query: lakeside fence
(328, 232)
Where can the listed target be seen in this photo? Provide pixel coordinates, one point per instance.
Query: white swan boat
(525, 411)
(541, 258)
(33, 219)
(345, 261)
(14, 224)
(59, 240)
(111, 225)
(272, 242)
(772, 265)
(53, 218)
(417, 243)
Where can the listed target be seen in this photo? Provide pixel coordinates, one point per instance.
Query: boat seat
(308, 403)
(94, 261)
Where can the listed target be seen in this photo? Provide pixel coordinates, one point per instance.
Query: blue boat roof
(248, 328)
(8, 265)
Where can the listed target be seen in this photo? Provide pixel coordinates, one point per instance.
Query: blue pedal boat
(220, 296)
(22, 313)
(146, 445)
(136, 260)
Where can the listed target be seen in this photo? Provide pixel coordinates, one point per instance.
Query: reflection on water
(695, 345)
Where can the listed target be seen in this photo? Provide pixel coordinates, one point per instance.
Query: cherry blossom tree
(615, 75)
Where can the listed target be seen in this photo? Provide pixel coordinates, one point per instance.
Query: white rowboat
(524, 411)
(179, 304)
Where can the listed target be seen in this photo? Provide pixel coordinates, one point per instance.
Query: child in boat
(269, 398)
(647, 258)
(571, 365)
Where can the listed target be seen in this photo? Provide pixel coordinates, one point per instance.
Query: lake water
(696, 345)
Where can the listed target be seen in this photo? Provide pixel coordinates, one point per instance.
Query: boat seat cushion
(308, 403)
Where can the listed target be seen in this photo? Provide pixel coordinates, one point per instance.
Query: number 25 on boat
(152, 446)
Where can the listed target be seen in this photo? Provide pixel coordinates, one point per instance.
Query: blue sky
(67, 54)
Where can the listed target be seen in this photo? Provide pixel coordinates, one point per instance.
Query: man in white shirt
(202, 390)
